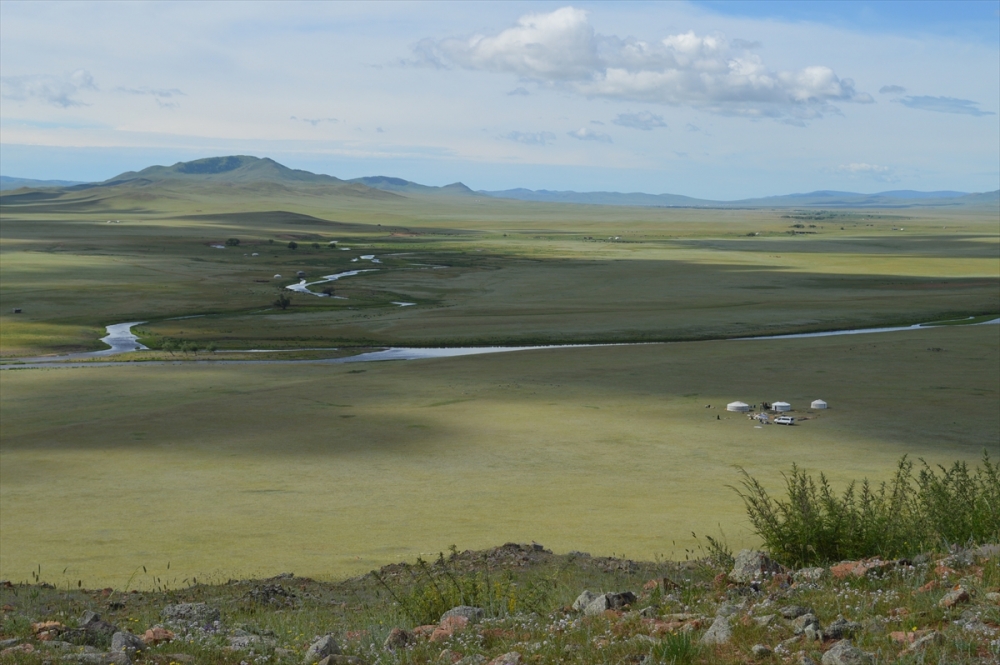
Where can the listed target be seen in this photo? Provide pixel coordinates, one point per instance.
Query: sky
(714, 99)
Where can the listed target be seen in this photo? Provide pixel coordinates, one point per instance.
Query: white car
(784, 420)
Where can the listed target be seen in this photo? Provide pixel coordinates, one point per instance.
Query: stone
(859, 568)
(618, 601)
(954, 597)
(841, 628)
(157, 635)
(809, 574)
(931, 637)
(845, 653)
(597, 606)
(727, 610)
(199, 613)
(583, 600)
(509, 658)
(449, 656)
(473, 614)
(20, 648)
(764, 621)
(321, 648)
(241, 639)
(398, 639)
(800, 623)
(127, 643)
(993, 597)
(760, 651)
(448, 627)
(794, 611)
(340, 659)
(802, 658)
(96, 628)
(718, 633)
(751, 565)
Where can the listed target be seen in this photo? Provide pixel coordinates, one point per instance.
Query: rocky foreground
(520, 604)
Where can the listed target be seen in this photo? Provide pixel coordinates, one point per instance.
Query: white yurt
(741, 407)
(781, 406)
(818, 404)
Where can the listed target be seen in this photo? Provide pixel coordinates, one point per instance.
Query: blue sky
(719, 100)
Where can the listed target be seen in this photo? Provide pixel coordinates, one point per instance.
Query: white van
(784, 420)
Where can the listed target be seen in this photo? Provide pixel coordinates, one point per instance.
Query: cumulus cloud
(164, 97)
(531, 138)
(891, 89)
(314, 121)
(561, 49)
(643, 120)
(585, 134)
(944, 105)
(61, 91)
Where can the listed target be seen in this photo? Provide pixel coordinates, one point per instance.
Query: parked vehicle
(784, 420)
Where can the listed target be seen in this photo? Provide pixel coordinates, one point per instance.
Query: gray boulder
(597, 606)
(794, 611)
(804, 621)
(122, 642)
(845, 653)
(583, 600)
(760, 651)
(842, 628)
(199, 613)
(751, 565)
(809, 574)
(321, 648)
(719, 632)
(473, 614)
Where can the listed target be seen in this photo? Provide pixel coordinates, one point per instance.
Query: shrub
(233, 242)
(293, 245)
(282, 302)
(904, 516)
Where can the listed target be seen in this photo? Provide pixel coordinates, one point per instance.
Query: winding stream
(121, 340)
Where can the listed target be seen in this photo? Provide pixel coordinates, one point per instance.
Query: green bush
(903, 516)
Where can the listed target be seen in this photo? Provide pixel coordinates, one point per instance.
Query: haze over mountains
(249, 172)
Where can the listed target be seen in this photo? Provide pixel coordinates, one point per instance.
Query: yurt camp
(781, 406)
(741, 407)
(818, 404)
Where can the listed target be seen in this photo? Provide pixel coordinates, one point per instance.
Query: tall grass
(934, 508)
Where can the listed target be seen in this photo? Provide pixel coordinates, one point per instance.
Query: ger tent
(742, 407)
(781, 406)
(818, 404)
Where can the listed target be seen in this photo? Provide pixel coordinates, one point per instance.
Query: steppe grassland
(331, 470)
(519, 272)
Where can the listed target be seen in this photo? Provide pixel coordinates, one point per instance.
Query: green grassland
(330, 470)
(251, 469)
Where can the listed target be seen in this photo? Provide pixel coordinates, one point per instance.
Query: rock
(802, 622)
(583, 600)
(618, 601)
(802, 658)
(764, 621)
(993, 597)
(449, 656)
(157, 635)
(97, 629)
(509, 658)
(718, 633)
(398, 639)
(760, 651)
(473, 614)
(859, 568)
(240, 639)
(841, 628)
(339, 659)
(474, 659)
(954, 597)
(597, 606)
(199, 613)
(448, 627)
(728, 610)
(845, 653)
(607, 601)
(20, 648)
(321, 648)
(932, 637)
(809, 574)
(794, 611)
(127, 643)
(97, 658)
(751, 565)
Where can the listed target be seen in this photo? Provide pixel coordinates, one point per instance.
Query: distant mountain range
(252, 173)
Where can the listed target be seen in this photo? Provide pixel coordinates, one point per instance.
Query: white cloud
(643, 120)
(58, 91)
(862, 167)
(314, 121)
(162, 96)
(519, 91)
(531, 138)
(891, 89)
(944, 105)
(585, 134)
(561, 49)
